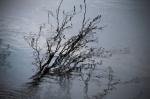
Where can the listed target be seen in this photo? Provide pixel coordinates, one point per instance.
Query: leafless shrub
(62, 54)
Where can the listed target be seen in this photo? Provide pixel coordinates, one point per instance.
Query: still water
(126, 35)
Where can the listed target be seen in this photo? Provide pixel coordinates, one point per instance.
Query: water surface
(126, 34)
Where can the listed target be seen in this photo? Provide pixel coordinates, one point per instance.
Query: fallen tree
(63, 54)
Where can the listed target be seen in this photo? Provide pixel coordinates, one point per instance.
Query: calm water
(126, 34)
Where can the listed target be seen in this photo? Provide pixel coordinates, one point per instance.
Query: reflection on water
(4, 54)
(126, 35)
(63, 87)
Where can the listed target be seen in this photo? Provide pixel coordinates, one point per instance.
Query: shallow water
(126, 35)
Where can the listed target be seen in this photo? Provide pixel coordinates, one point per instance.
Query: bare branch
(63, 55)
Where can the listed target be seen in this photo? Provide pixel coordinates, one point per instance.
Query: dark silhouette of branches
(66, 54)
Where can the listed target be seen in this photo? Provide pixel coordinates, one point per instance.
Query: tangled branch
(64, 55)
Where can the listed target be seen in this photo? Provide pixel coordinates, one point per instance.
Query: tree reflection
(110, 84)
(60, 87)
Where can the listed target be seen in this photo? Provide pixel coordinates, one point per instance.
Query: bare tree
(66, 54)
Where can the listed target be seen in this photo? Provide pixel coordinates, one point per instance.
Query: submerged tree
(63, 54)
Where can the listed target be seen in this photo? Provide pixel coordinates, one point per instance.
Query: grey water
(126, 34)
